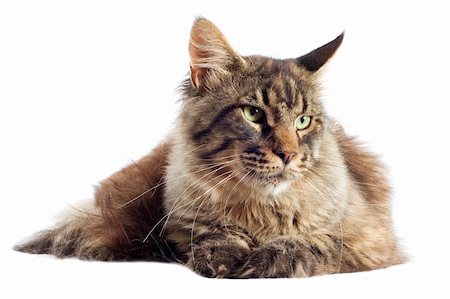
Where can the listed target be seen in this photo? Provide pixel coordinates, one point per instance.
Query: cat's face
(252, 119)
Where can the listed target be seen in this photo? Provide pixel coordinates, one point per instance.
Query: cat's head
(253, 119)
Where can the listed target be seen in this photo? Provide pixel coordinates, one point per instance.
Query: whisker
(159, 184)
(342, 247)
(175, 208)
(208, 175)
(198, 209)
(380, 187)
(233, 191)
(346, 199)
(211, 189)
(221, 158)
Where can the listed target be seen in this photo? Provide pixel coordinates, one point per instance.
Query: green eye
(302, 122)
(253, 114)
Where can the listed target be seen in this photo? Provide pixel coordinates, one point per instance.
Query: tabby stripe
(254, 98)
(308, 138)
(305, 104)
(276, 114)
(279, 94)
(265, 97)
(254, 150)
(258, 160)
(219, 117)
(254, 164)
(266, 132)
(223, 146)
(319, 255)
(290, 96)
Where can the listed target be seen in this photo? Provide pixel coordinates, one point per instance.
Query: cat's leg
(315, 255)
(233, 257)
(289, 257)
(113, 226)
(236, 256)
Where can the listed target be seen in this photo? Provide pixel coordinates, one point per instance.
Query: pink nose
(285, 156)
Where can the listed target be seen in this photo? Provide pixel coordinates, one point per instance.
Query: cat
(256, 180)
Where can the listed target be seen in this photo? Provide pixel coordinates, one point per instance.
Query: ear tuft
(209, 52)
(317, 58)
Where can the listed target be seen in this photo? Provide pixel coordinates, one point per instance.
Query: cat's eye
(302, 122)
(253, 114)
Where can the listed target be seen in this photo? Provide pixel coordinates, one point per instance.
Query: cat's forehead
(281, 94)
(282, 86)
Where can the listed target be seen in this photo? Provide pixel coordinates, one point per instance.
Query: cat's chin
(274, 190)
(273, 185)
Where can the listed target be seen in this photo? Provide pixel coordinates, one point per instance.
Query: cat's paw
(269, 261)
(217, 260)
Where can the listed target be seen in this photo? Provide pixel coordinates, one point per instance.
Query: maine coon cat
(256, 180)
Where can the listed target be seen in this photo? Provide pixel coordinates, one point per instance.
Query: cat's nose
(285, 156)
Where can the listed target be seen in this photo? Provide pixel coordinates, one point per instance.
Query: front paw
(269, 261)
(217, 260)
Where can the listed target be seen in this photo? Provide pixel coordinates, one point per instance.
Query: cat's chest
(266, 220)
(198, 210)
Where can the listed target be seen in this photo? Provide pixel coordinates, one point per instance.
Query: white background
(88, 86)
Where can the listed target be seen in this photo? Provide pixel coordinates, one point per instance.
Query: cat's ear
(317, 58)
(211, 56)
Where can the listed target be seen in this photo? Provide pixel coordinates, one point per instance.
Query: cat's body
(256, 180)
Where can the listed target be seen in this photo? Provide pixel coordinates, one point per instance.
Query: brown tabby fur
(235, 198)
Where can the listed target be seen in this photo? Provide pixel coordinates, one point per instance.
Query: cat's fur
(234, 198)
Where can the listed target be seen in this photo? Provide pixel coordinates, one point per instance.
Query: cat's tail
(39, 243)
(122, 222)
(76, 234)
(96, 232)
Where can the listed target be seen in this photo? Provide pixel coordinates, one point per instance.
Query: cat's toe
(268, 262)
(217, 261)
